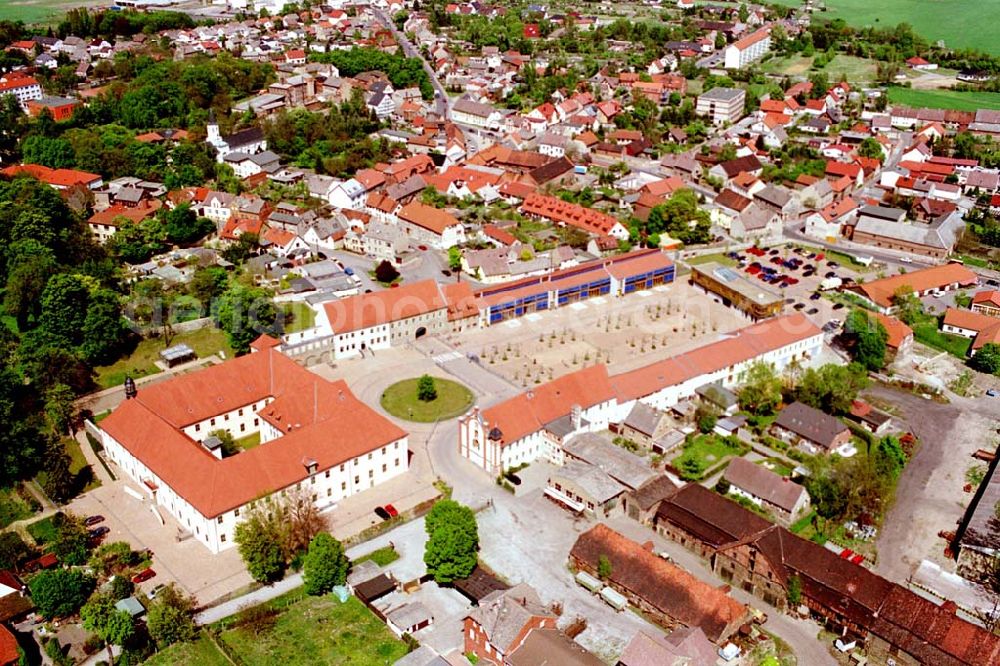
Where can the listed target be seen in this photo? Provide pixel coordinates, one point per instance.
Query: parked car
(832, 264)
(445, 272)
(830, 274)
(143, 576)
(98, 532)
(812, 310)
(799, 306)
(156, 590)
(838, 306)
(774, 251)
(815, 296)
(991, 392)
(93, 520)
(348, 271)
(391, 510)
(382, 513)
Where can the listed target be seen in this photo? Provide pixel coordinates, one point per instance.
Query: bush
(386, 273)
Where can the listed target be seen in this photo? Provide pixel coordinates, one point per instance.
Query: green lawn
(401, 400)
(201, 652)
(42, 531)
(78, 462)
(13, 507)
(317, 630)
(141, 362)
(248, 442)
(779, 467)
(960, 23)
(945, 99)
(298, 317)
(703, 453)
(927, 332)
(382, 556)
(708, 258)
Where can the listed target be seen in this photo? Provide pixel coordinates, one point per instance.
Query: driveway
(929, 497)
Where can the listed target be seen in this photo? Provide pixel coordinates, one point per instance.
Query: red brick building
(502, 621)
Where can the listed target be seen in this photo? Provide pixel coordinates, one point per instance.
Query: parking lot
(799, 275)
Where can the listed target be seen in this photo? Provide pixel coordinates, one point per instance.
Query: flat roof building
(754, 300)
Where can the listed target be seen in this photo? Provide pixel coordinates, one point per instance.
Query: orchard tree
(325, 565)
(171, 618)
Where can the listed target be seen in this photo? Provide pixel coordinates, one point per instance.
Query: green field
(945, 99)
(717, 257)
(857, 70)
(141, 362)
(42, 531)
(41, 11)
(960, 23)
(317, 630)
(201, 652)
(927, 332)
(401, 400)
(702, 454)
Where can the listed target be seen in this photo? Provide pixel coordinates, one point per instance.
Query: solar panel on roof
(725, 274)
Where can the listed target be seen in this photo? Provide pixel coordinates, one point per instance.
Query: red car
(143, 576)
(391, 510)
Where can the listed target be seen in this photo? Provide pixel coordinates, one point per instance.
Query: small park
(426, 399)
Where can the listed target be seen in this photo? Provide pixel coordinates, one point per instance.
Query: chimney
(576, 415)
(530, 394)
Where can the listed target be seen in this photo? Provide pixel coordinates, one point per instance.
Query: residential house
(433, 226)
(986, 302)
(686, 646)
(812, 430)
(502, 621)
(900, 340)
(782, 498)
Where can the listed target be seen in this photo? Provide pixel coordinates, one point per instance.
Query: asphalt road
(411, 51)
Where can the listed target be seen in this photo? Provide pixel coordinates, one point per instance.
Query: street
(440, 95)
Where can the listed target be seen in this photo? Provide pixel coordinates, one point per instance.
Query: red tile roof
(428, 217)
(305, 408)
(557, 210)
(60, 178)
(382, 307)
(528, 412)
(743, 345)
(897, 330)
(110, 215)
(991, 296)
(881, 291)
(663, 585)
(9, 651)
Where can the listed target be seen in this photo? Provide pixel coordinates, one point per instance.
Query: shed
(131, 605)
(479, 584)
(375, 588)
(409, 618)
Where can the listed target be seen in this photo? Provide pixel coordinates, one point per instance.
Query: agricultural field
(958, 22)
(40, 11)
(856, 70)
(945, 99)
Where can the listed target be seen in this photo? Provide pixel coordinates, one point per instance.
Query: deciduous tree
(60, 592)
(325, 565)
(170, 619)
(760, 392)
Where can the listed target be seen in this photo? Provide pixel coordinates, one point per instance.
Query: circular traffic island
(426, 399)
